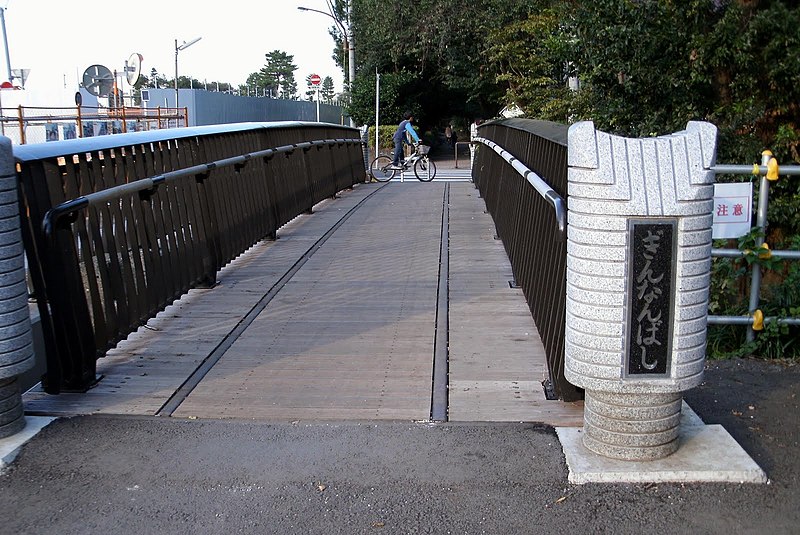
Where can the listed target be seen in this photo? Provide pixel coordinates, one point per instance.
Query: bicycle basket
(424, 149)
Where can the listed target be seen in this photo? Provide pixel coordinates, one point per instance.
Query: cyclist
(400, 138)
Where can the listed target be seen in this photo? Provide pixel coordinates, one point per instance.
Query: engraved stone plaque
(651, 297)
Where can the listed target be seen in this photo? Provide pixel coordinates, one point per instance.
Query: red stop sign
(315, 79)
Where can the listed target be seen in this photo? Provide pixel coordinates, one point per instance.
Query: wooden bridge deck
(337, 320)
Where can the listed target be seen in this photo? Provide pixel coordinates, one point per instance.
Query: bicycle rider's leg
(398, 152)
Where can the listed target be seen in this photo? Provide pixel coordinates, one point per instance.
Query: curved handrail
(67, 208)
(538, 183)
(40, 151)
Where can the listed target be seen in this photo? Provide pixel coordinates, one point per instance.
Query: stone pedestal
(16, 341)
(637, 427)
(638, 275)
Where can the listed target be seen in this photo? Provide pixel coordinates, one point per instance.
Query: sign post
(315, 81)
(377, 110)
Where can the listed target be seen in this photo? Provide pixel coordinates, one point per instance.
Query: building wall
(211, 107)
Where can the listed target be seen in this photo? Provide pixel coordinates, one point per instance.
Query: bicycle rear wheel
(425, 169)
(380, 169)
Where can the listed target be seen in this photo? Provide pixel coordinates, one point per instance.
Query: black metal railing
(520, 169)
(117, 228)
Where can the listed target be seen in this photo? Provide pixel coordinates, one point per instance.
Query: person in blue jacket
(399, 137)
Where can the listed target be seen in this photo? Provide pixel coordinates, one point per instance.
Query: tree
(276, 76)
(649, 66)
(636, 63)
(437, 68)
(222, 87)
(395, 98)
(327, 92)
(530, 59)
(155, 80)
(187, 82)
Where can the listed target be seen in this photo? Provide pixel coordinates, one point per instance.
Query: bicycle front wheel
(425, 169)
(381, 169)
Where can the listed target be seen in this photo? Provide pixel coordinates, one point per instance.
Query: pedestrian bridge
(251, 271)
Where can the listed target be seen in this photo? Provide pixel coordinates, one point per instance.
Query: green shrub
(779, 297)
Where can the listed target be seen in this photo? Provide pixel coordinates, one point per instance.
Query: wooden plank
(351, 335)
(310, 319)
(166, 345)
(497, 360)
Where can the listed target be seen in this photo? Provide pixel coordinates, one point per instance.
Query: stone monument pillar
(16, 342)
(638, 275)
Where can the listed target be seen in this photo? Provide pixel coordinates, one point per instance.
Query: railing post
(638, 278)
(761, 223)
(16, 341)
(79, 122)
(21, 118)
(365, 152)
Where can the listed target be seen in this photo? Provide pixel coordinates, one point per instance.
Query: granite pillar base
(12, 416)
(633, 427)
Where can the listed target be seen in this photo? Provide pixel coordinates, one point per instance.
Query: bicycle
(382, 170)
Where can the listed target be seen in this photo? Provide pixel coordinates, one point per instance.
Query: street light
(348, 47)
(184, 46)
(345, 41)
(3, 7)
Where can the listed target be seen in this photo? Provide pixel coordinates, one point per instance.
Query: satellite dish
(98, 80)
(133, 68)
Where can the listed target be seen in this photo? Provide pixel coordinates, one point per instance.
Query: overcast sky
(58, 39)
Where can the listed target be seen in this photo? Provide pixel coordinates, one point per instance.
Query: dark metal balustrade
(520, 169)
(117, 228)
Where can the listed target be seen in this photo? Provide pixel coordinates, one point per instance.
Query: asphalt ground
(104, 474)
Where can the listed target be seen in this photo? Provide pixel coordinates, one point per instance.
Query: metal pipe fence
(768, 171)
(520, 170)
(117, 228)
(28, 124)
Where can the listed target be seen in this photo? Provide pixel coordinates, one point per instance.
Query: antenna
(98, 80)
(133, 68)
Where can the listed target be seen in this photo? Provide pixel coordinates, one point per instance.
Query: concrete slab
(707, 454)
(10, 446)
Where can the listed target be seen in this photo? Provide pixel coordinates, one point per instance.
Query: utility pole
(351, 54)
